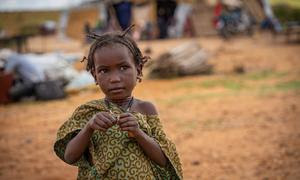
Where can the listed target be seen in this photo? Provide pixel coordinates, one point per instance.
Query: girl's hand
(101, 121)
(128, 122)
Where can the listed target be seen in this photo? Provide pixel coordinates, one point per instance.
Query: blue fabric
(123, 12)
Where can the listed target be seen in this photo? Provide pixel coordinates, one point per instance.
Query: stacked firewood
(183, 60)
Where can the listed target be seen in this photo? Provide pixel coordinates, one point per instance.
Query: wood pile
(183, 60)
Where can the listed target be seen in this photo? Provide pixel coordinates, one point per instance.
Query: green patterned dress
(114, 155)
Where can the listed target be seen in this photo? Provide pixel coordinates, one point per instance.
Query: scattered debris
(195, 163)
(83, 80)
(239, 69)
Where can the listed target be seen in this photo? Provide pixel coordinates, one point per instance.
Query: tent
(62, 6)
(38, 5)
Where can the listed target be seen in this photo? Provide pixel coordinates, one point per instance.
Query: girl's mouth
(116, 90)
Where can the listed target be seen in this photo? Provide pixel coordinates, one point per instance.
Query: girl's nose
(115, 77)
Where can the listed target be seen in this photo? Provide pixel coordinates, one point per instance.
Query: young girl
(120, 136)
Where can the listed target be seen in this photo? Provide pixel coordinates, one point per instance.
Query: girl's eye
(123, 68)
(102, 71)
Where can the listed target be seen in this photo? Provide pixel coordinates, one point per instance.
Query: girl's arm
(76, 147)
(149, 145)
(151, 148)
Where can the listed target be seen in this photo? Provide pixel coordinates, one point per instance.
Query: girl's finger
(128, 124)
(99, 120)
(106, 120)
(127, 129)
(97, 127)
(101, 124)
(126, 119)
(123, 115)
(110, 117)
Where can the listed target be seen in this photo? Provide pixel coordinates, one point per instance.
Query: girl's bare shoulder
(145, 107)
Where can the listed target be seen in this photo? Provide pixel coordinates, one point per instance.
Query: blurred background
(224, 75)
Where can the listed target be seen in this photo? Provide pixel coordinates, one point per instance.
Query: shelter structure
(71, 15)
(18, 15)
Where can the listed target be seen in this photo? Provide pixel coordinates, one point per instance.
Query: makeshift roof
(38, 5)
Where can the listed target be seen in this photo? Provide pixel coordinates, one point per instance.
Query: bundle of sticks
(183, 60)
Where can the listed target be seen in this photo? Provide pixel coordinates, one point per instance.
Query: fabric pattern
(113, 154)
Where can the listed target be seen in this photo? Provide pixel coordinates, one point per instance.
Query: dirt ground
(225, 125)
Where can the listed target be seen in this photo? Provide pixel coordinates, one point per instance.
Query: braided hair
(115, 38)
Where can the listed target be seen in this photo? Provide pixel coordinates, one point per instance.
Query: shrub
(286, 13)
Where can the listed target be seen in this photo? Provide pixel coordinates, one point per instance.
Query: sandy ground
(225, 125)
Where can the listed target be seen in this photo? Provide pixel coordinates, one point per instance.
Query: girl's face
(115, 71)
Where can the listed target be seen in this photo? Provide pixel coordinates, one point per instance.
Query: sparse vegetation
(292, 3)
(290, 85)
